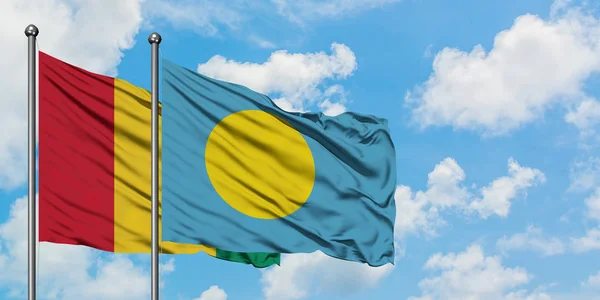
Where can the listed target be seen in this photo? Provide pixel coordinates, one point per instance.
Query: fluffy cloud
(69, 30)
(592, 204)
(213, 293)
(487, 278)
(536, 295)
(68, 272)
(420, 211)
(302, 274)
(586, 116)
(532, 240)
(585, 174)
(593, 282)
(589, 242)
(168, 266)
(497, 195)
(534, 64)
(299, 11)
(334, 101)
(294, 79)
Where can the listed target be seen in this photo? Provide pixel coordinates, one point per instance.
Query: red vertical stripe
(76, 155)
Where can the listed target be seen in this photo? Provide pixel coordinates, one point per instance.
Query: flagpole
(31, 32)
(154, 39)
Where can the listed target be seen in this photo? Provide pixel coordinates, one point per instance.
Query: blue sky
(493, 108)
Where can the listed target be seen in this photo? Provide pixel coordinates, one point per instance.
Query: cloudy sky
(494, 108)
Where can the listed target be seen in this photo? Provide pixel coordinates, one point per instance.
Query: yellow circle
(259, 164)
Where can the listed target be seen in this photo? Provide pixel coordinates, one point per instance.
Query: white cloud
(334, 101)
(585, 175)
(168, 266)
(331, 109)
(589, 242)
(420, 211)
(67, 272)
(593, 282)
(294, 79)
(586, 116)
(443, 185)
(487, 278)
(498, 194)
(559, 6)
(69, 30)
(213, 293)
(117, 278)
(592, 204)
(303, 274)
(524, 295)
(532, 240)
(301, 11)
(533, 65)
(286, 105)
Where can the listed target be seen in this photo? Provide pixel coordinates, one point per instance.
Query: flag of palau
(241, 174)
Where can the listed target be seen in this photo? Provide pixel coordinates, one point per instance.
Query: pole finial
(154, 38)
(31, 30)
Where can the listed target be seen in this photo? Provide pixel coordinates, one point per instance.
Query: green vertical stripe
(257, 259)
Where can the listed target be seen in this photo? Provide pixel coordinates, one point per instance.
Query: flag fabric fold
(94, 165)
(241, 173)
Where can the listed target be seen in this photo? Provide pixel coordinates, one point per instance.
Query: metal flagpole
(154, 39)
(31, 32)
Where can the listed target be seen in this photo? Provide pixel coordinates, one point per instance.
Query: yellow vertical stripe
(132, 174)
